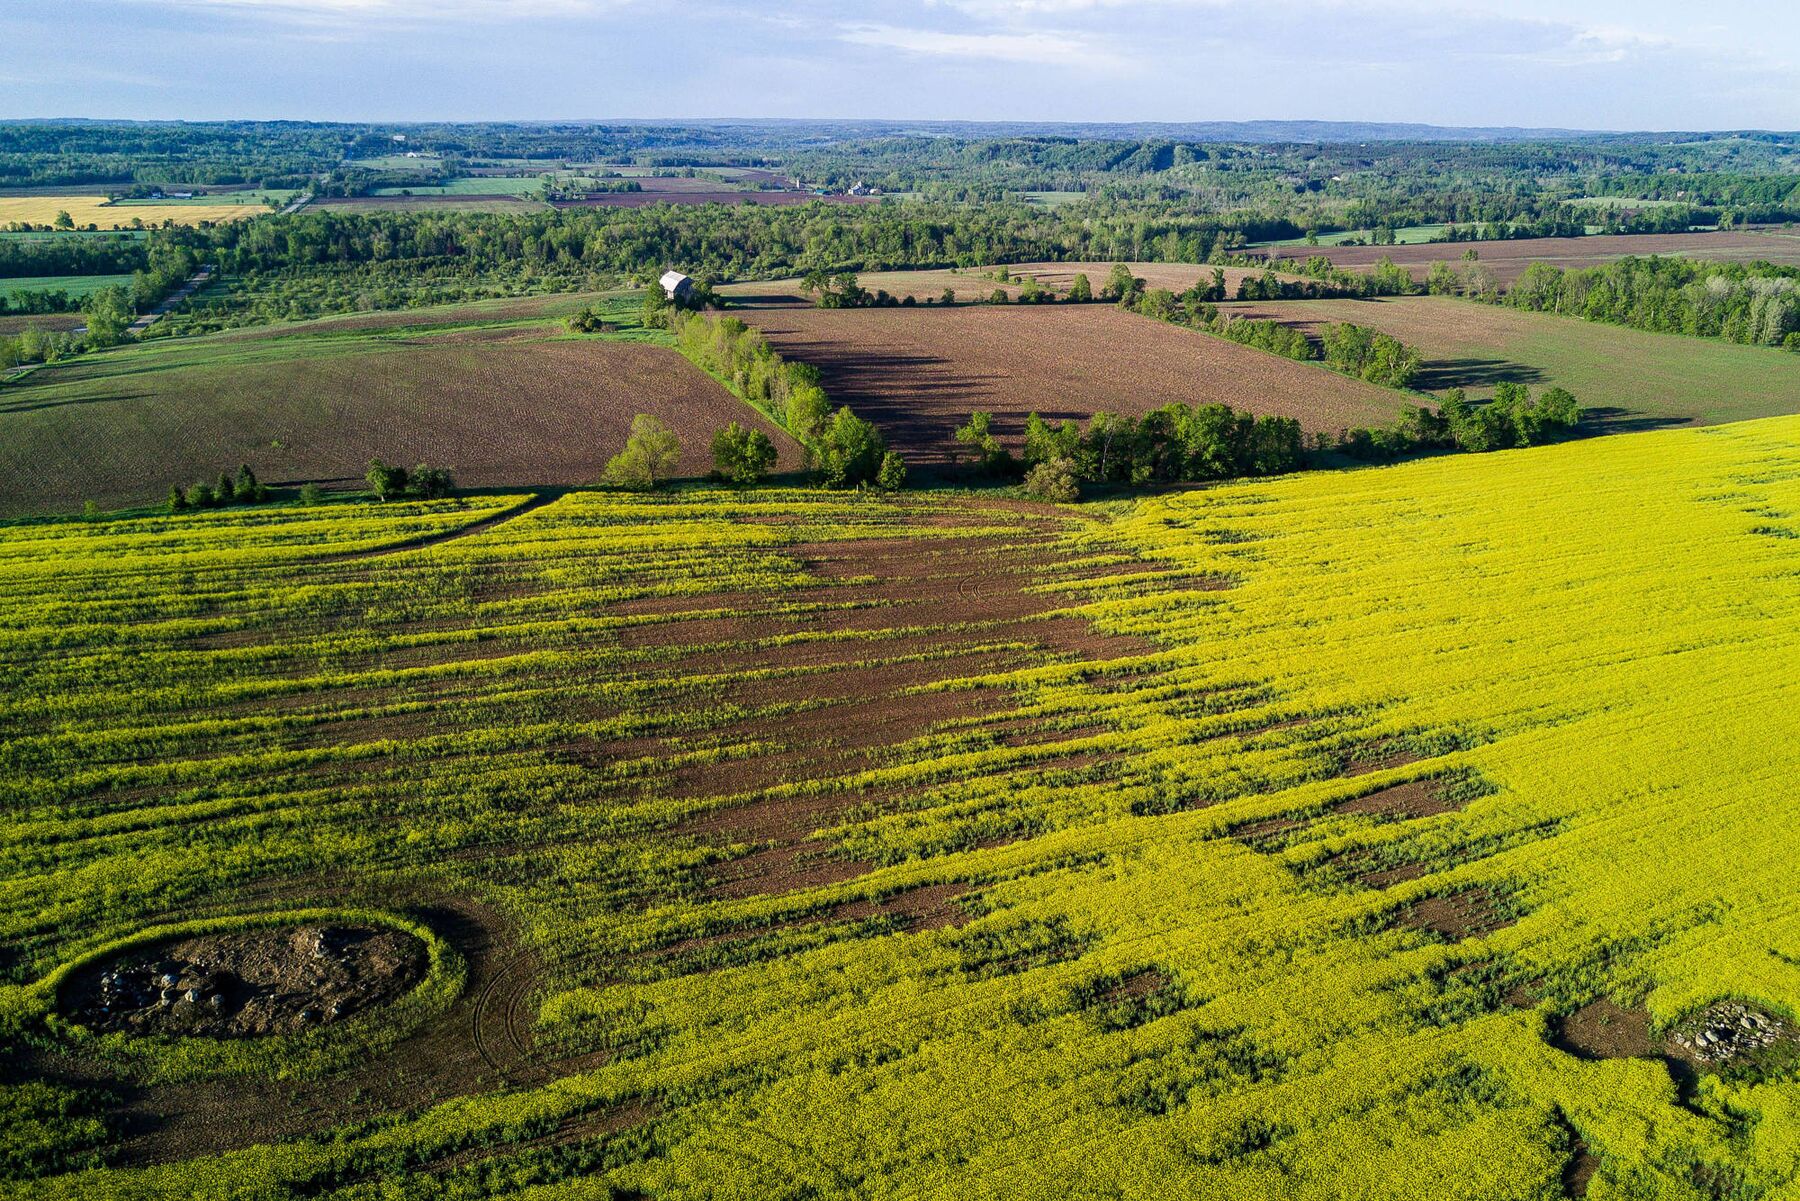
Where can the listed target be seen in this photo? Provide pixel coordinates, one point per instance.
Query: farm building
(677, 285)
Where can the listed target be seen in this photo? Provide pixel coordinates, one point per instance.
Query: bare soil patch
(1604, 1029)
(249, 984)
(972, 590)
(1470, 913)
(918, 372)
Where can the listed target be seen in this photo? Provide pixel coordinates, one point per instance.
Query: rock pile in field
(1727, 1031)
(250, 983)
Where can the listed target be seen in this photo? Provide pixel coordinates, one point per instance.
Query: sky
(1619, 64)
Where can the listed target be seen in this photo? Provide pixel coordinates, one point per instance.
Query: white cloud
(409, 10)
(1044, 47)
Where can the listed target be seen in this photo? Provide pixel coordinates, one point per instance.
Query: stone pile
(1726, 1031)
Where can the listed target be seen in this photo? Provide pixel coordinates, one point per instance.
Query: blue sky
(1620, 64)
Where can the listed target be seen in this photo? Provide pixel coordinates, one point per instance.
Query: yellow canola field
(1167, 983)
(94, 210)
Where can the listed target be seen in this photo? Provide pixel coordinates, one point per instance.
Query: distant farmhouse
(677, 285)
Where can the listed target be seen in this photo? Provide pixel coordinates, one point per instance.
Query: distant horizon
(1613, 66)
(977, 123)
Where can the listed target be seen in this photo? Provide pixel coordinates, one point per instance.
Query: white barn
(676, 285)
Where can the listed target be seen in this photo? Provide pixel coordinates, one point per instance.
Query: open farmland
(77, 286)
(1628, 379)
(978, 283)
(428, 204)
(1508, 260)
(712, 195)
(501, 403)
(61, 322)
(1231, 844)
(473, 185)
(97, 210)
(918, 372)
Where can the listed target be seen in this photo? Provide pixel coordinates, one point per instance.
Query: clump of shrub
(1054, 480)
(393, 482)
(590, 321)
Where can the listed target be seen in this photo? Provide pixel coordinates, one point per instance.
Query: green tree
(891, 476)
(985, 450)
(63, 220)
(1080, 290)
(311, 494)
(109, 314)
(649, 457)
(430, 483)
(850, 450)
(742, 455)
(807, 408)
(1119, 282)
(385, 482)
(249, 489)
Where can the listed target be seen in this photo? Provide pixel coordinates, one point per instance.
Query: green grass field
(1370, 834)
(1410, 235)
(473, 185)
(1635, 378)
(75, 285)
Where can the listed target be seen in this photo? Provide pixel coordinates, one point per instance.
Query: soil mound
(248, 984)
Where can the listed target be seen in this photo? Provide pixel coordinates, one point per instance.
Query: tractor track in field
(536, 500)
(508, 1049)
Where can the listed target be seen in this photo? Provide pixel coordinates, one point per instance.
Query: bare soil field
(432, 204)
(119, 428)
(1627, 379)
(978, 283)
(1508, 260)
(46, 321)
(919, 372)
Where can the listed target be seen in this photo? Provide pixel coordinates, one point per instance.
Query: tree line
(1173, 444)
(1751, 303)
(842, 449)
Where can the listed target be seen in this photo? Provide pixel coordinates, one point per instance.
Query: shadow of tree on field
(1611, 419)
(1440, 374)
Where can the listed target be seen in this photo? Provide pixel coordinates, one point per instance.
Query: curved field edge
(1162, 971)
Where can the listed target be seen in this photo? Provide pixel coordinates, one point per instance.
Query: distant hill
(1181, 131)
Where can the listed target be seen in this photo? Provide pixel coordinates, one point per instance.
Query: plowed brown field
(919, 372)
(118, 428)
(977, 283)
(1508, 260)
